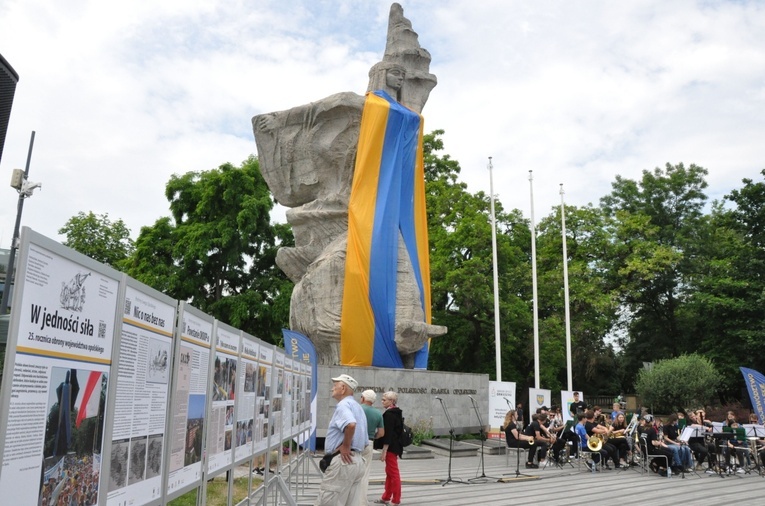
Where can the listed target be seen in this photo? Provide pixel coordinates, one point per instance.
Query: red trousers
(392, 491)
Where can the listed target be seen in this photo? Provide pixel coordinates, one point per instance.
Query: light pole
(25, 188)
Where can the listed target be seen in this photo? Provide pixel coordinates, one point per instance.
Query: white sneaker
(740, 470)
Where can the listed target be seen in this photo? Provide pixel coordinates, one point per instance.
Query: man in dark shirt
(541, 439)
(577, 406)
(592, 428)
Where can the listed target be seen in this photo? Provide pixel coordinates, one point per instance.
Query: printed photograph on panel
(262, 370)
(195, 423)
(249, 377)
(227, 440)
(73, 436)
(224, 378)
(137, 468)
(159, 364)
(119, 464)
(154, 456)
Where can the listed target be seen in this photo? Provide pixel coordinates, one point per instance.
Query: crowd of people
(703, 446)
(75, 485)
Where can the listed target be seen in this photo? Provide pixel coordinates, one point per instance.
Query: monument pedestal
(417, 391)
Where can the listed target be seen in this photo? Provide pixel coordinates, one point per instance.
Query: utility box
(17, 179)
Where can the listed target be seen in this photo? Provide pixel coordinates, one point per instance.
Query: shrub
(685, 381)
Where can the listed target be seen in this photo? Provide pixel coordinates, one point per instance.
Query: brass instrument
(595, 442)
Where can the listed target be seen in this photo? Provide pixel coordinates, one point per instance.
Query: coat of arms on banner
(540, 400)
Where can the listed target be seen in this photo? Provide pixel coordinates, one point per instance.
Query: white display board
(245, 412)
(538, 397)
(193, 341)
(139, 417)
(263, 398)
(223, 388)
(501, 400)
(57, 371)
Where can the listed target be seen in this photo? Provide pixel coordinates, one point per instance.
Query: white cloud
(123, 95)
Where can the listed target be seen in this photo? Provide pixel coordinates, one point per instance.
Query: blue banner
(755, 383)
(302, 349)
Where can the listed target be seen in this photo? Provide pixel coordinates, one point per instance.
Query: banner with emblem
(538, 397)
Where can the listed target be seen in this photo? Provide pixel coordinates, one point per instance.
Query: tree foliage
(218, 249)
(96, 236)
(686, 381)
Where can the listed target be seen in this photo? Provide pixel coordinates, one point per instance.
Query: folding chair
(647, 457)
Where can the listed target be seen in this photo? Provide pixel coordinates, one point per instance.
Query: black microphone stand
(451, 447)
(483, 478)
(517, 452)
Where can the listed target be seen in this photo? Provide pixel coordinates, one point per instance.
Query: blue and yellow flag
(387, 199)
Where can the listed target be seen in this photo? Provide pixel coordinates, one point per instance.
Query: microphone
(438, 398)
(471, 397)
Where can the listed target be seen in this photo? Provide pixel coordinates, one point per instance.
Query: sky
(122, 95)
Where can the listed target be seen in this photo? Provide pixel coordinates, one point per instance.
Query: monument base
(418, 393)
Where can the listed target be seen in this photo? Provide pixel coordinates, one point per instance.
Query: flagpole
(565, 290)
(534, 282)
(497, 350)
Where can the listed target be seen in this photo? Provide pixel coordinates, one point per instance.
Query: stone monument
(308, 157)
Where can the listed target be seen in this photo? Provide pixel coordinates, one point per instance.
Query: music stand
(720, 439)
(483, 478)
(753, 433)
(449, 478)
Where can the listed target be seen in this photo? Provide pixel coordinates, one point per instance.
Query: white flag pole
(497, 349)
(534, 282)
(565, 289)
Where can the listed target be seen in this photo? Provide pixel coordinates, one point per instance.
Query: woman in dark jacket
(391, 448)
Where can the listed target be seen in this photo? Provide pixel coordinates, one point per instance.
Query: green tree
(593, 304)
(686, 381)
(96, 236)
(729, 288)
(462, 273)
(655, 225)
(218, 249)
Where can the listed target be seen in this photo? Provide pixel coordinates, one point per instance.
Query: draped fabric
(387, 200)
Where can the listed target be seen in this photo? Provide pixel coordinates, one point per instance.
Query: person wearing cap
(346, 439)
(375, 430)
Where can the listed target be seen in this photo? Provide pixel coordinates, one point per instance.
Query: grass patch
(217, 491)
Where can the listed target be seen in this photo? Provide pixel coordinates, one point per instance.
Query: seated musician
(684, 457)
(542, 437)
(593, 428)
(736, 446)
(581, 431)
(556, 428)
(654, 445)
(702, 450)
(619, 438)
(515, 439)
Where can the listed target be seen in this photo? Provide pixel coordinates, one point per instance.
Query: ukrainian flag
(387, 199)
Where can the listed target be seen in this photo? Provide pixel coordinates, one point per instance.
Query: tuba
(595, 443)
